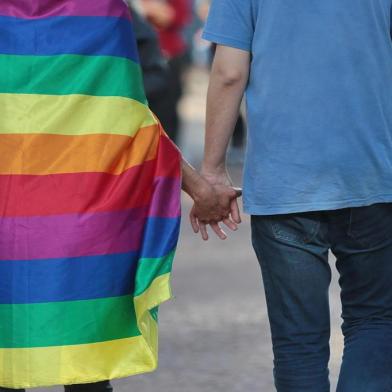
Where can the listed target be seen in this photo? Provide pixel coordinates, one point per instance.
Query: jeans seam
(263, 267)
(351, 233)
(266, 282)
(350, 224)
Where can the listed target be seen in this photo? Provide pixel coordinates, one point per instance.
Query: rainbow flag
(89, 197)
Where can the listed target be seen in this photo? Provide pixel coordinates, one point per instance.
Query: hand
(220, 177)
(216, 206)
(216, 203)
(213, 203)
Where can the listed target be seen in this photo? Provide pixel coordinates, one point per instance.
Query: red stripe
(33, 9)
(27, 195)
(168, 158)
(33, 195)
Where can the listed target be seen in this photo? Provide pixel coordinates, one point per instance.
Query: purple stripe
(33, 9)
(73, 235)
(166, 200)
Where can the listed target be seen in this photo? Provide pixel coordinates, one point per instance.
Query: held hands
(215, 202)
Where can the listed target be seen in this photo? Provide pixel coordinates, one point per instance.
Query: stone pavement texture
(214, 334)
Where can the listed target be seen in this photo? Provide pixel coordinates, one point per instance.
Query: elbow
(230, 77)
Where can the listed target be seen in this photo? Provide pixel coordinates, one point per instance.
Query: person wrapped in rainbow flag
(89, 197)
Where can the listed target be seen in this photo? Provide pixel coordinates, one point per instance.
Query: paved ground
(214, 334)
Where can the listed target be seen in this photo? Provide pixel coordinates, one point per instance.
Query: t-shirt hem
(255, 209)
(226, 41)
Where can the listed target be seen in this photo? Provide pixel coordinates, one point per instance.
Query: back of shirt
(319, 100)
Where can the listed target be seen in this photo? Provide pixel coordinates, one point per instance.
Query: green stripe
(150, 269)
(67, 323)
(71, 74)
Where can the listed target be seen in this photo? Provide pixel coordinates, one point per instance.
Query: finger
(194, 222)
(235, 211)
(230, 224)
(203, 231)
(218, 230)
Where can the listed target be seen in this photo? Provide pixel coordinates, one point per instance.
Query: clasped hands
(215, 203)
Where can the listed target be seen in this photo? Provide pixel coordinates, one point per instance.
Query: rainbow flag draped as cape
(89, 197)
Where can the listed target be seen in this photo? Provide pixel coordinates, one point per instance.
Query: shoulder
(231, 23)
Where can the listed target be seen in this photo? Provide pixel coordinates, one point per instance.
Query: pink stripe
(33, 9)
(166, 198)
(73, 235)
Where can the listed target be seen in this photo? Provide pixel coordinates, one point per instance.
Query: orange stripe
(40, 154)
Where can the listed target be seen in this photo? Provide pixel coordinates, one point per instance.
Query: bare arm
(191, 180)
(229, 77)
(228, 80)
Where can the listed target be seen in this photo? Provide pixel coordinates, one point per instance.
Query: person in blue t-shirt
(318, 175)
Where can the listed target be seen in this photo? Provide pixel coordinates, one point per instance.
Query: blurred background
(214, 334)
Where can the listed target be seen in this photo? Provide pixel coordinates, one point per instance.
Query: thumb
(237, 192)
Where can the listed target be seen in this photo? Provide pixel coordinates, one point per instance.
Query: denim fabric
(103, 386)
(293, 253)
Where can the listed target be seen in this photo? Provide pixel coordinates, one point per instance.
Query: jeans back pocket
(296, 228)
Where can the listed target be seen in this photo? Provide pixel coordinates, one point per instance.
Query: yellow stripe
(157, 293)
(46, 366)
(72, 115)
(29, 368)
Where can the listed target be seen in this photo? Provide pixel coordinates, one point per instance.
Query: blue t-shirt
(319, 100)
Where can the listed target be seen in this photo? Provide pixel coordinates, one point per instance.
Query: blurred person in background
(170, 17)
(203, 8)
(154, 66)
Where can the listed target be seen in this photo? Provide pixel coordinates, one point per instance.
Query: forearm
(225, 92)
(192, 183)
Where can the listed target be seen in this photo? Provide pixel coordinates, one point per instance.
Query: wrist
(200, 189)
(194, 184)
(208, 168)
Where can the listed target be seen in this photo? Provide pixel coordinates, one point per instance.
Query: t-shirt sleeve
(230, 23)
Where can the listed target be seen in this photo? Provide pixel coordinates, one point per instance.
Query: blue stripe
(67, 279)
(160, 236)
(80, 35)
(84, 278)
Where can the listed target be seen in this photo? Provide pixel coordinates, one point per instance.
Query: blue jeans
(293, 253)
